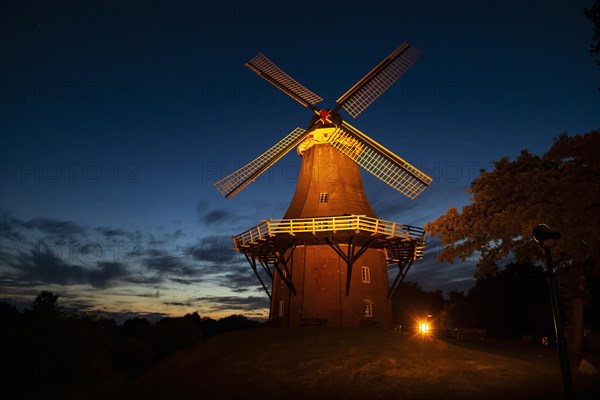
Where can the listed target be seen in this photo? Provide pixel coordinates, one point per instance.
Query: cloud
(42, 266)
(46, 252)
(431, 274)
(177, 303)
(151, 295)
(249, 303)
(187, 281)
(112, 232)
(178, 234)
(103, 256)
(214, 249)
(8, 230)
(240, 278)
(146, 295)
(64, 231)
(54, 227)
(216, 217)
(434, 275)
(141, 279)
(106, 273)
(164, 263)
(425, 208)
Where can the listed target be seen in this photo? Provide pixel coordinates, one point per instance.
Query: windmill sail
(272, 73)
(369, 88)
(379, 161)
(360, 148)
(233, 183)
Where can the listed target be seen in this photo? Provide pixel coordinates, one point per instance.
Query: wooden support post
(252, 262)
(403, 268)
(267, 270)
(349, 258)
(284, 273)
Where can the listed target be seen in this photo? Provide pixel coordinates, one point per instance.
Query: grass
(319, 363)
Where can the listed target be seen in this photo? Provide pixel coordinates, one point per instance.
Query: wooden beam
(403, 268)
(351, 256)
(252, 262)
(284, 273)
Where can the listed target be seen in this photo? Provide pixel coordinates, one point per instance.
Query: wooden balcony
(389, 235)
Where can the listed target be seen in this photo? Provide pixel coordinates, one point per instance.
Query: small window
(366, 274)
(368, 307)
(323, 197)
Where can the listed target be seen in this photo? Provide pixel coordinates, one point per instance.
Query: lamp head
(542, 232)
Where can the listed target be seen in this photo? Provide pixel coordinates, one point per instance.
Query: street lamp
(424, 326)
(541, 234)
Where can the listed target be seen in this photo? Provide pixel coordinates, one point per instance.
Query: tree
(560, 188)
(8, 313)
(593, 13)
(521, 289)
(46, 303)
(458, 312)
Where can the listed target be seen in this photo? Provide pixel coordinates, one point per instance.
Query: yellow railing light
(330, 224)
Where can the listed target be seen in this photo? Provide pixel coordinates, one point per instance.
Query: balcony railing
(357, 223)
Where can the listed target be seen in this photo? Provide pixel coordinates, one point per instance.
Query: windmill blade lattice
(369, 88)
(233, 183)
(379, 161)
(273, 74)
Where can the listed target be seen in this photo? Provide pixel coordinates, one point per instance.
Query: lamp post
(542, 233)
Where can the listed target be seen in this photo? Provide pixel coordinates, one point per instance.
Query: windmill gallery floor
(354, 364)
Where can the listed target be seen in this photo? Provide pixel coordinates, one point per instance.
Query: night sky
(117, 118)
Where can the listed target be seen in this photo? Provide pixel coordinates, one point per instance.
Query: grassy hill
(323, 363)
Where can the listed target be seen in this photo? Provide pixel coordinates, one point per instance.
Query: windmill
(312, 256)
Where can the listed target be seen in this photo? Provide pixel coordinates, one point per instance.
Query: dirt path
(351, 364)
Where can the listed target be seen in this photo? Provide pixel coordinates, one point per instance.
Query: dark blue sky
(117, 117)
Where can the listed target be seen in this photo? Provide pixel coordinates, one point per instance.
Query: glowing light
(423, 327)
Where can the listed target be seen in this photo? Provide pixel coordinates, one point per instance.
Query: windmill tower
(328, 258)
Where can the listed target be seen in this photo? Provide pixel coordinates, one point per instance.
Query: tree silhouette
(459, 312)
(560, 188)
(46, 303)
(593, 13)
(521, 290)
(8, 312)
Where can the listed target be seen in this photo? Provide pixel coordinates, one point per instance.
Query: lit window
(366, 274)
(368, 307)
(323, 197)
